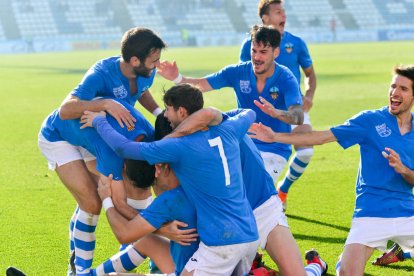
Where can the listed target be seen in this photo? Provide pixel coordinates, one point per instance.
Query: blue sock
(338, 266)
(84, 240)
(297, 167)
(407, 255)
(313, 270)
(123, 261)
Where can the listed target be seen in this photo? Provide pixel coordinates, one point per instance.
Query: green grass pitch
(35, 208)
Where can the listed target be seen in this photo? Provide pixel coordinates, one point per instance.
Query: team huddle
(215, 173)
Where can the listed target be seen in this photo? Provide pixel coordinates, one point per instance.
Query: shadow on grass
(346, 229)
(319, 238)
(401, 267)
(49, 69)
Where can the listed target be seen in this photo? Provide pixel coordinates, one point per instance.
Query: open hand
(88, 117)
(261, 132)
(168, 70)
(172, 231)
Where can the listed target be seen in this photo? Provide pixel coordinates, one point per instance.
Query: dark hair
(264, 6)
(141, 173)
(162, 127)
(406, 71)
(140, 43)
(186, 96)
(266, 35)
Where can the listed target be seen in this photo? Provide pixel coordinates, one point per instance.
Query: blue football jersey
(174, 205)
(380, 191)
(108, 162)
(105, 79)
(207, 164)
(281, 90)
(294, 53)
(257, 181)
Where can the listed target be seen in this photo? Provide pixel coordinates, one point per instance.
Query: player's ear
(158, 170)
(265, 19)
(182, 111)
(276, 52)
(134, 61)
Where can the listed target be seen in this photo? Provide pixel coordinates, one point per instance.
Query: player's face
(276, 17)
(401, 98)
(173, 116)
(145, 69)
(263, 58)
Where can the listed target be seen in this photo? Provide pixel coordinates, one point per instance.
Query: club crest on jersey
(289, 47)
(274, 92)
(383, 130)
(245, 86)
(131, 128)
(120, 92)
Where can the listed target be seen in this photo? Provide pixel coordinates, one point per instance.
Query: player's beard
(265, 68)
(402, 108)
(142, 71)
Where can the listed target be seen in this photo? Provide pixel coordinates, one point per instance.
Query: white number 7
(216, 142)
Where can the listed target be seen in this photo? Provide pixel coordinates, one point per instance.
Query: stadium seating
(79, 19)
(2, 36)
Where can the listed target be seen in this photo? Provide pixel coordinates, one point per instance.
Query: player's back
(207, 163)
(258, 183)
(216, 187)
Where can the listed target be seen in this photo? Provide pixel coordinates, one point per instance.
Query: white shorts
(222, 260)
(61, 152)
(306, 120)
(375, 232)
(274, 164)
(268, 216)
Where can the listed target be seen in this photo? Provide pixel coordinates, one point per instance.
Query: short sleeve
(352, 131)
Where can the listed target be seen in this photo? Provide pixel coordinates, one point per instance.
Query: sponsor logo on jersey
(120, 92)
(383, 130)
(289, 47)
(274, 92)
(245, 86)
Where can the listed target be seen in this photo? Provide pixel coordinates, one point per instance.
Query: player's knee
(91, 205)
(305, 154)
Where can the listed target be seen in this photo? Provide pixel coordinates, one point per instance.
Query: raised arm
(149, 103)
(119, 198)
(394, 161)
(310, 86)
(126, 231)
(266, 134)
(170, 72)
(293, 116)
(73, 108)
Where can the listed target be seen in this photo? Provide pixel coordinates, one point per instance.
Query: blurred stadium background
(65, 25)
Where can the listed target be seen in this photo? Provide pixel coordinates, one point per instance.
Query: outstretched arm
(116, 141)
(394, 161)
(170, 72)
(266, 134)
(294, 116)
(198, 120)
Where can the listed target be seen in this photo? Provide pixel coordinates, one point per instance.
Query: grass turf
(35, 208)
